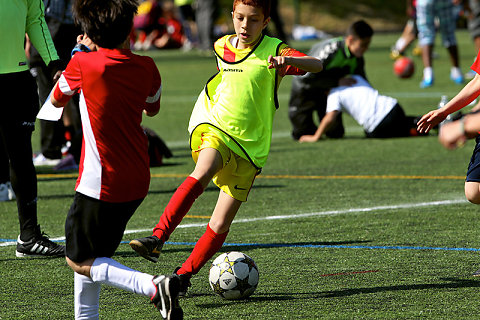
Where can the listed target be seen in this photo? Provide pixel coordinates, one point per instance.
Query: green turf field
(340, 229)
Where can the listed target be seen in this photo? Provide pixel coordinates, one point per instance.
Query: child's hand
(430, 120)
(277, 62)
(308, 138)
(85, 40)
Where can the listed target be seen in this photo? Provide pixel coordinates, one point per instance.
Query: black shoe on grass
(166, 297)
(184, 282)
(148, 247)
(39, 246)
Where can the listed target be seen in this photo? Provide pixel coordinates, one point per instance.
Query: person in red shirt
(116, 87)
(435, 117)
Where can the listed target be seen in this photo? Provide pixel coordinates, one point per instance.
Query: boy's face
(357, 46)
(248, 22)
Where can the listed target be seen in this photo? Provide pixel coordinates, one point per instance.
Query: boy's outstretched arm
(306, 63)
(462, 99)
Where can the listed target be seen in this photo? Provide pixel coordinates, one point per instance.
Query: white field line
(301, 215)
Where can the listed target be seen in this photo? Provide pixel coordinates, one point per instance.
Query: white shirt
(362, 102)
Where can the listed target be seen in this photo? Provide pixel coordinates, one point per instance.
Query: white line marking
(301, 215)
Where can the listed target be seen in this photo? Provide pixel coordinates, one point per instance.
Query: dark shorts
(94, 228)
(473, 172)
(395, 124)
(20, 100)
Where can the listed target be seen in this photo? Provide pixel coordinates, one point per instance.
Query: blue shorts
(473, 172)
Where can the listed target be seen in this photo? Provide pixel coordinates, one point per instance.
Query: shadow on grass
(452, 283)
(187, 247)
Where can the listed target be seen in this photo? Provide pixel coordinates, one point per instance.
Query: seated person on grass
(380, 116)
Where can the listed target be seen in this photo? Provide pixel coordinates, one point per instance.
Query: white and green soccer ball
(233, 275)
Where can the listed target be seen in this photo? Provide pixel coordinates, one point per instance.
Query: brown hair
(265, 5)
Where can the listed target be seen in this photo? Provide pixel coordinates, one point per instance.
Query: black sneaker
(39, 246)
(148, 247)
(184, 282)
(166, 297)
(477, 273)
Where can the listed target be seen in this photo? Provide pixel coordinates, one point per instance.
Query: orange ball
(404, 67)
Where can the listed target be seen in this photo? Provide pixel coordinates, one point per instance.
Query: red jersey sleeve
(69, 82)
(476, 65)
(286, 51)
(153, 99)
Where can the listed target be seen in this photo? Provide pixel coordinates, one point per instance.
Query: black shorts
(94, 228)
(473, 172)
(19, 92)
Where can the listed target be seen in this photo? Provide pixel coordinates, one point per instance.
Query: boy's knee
(82, 268)
(472, 192)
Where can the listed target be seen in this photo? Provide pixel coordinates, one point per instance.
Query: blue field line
(326, 246)
(294, 245)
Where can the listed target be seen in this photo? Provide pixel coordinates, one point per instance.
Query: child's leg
(208, 164)
(108, 271)
(472, 191)
(87, 295)
(214, 237)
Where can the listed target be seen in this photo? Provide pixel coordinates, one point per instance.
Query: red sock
(206, 247)
(178, 206)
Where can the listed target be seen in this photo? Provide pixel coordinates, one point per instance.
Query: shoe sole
(142, 250)
(28, 255)
(169, 297)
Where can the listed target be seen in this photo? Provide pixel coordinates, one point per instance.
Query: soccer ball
(233, 275)
(404, 67)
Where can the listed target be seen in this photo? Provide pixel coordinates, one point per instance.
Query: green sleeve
(38, 32)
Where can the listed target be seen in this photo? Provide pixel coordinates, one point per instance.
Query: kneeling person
(380, 116)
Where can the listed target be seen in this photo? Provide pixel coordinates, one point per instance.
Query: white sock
(400, 43)
(108, 271)
(87, 295)
(455, 72)
(428, 73)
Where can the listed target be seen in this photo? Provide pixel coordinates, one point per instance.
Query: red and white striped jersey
(115, 87)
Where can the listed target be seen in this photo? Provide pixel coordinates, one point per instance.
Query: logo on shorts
(236, 187)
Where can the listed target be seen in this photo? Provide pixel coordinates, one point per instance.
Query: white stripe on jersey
(64, 87)
(91, 177)
(155, 97)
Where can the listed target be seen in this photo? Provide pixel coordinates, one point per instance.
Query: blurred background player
(427, 12)
(187, 17)
(19, 109)
(409, 34)
(340, 57)
(206, 12)
(231, 129)
(116, 87)
(54, 134)
(158, 27)
(380, 116)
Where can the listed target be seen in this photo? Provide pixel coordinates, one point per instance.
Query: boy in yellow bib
(231, 129)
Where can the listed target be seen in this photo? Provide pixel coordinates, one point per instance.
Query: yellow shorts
(237, 175)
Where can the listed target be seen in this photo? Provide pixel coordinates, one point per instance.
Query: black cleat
(184, 282)
(39, 246)
(166, 297)
(148, 247)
